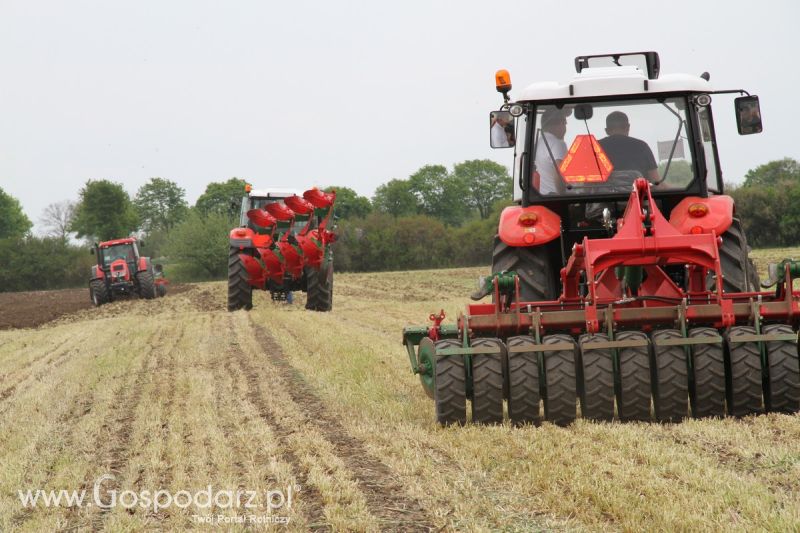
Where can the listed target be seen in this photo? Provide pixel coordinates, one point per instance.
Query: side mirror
(748, 115)
(501, 129)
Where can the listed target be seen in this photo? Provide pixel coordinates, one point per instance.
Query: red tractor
(621, 280)
(283, 245)
(121, 271)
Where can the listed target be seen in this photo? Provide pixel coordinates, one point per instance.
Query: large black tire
(633, 396)
(560, 382)
(319, 286)
(487, 382)
(449, 386)
(670, 377)
(98, 292)
(537, 276)
(707, 390)
(743, 373)
(738, 270)
(240, 292)
(523, 382)
(596, 379)
(782, 393)
(147, 284)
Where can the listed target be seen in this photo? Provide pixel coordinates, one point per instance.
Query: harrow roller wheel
(670, 377)
(523, 382)
(449, 386)
(743, 373)
(487, 382)
(633, 396)
(596, 382)
(707, 390)
(560, 383)
(782, 393)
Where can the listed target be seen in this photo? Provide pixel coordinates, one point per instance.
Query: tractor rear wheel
(240, 292)
(449, 386)
(488, 382)
(538, 278)
(670, 377)
(319, 285)
(743, 374)
(633, 399)
(98, 292)
(596, 383)
(523, 381)
(738, 271)
(707, 390)
(782, 393)
(560, 383)
(147, 284)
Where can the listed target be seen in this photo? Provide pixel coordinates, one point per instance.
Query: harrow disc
(670, 377)
(560, 383)
(633, 399)
(707, 389)
(782, 391)
(743, 373)
(449, 390)
(487, 382)
(596, 382)
(523, 381)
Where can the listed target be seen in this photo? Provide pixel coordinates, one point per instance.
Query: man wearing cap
(626, 152)
(550, 151)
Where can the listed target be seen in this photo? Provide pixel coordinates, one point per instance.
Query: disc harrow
(611, 350)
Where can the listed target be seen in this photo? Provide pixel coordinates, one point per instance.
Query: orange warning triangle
(586, 161)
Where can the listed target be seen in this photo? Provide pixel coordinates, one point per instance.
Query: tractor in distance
(121, 271)
(621, 282)
(282, 244)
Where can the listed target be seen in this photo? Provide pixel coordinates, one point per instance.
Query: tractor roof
(612, 81)
(126, 240)
(274, 192)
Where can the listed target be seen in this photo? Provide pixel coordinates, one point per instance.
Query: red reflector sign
(586, 161)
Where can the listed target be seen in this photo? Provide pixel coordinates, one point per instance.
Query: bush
(199, 244)
(42, 263)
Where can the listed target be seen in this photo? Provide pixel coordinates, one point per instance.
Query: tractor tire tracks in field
(386, 497)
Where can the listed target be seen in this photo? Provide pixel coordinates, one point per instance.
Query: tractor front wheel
(98, 292)
(240, 292)
(147, 284)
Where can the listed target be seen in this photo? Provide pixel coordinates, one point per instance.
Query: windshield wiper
(674, 143)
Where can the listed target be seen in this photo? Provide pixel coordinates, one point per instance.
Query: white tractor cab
(258, 198)
(580, 145)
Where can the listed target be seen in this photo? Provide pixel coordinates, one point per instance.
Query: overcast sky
(344, 93)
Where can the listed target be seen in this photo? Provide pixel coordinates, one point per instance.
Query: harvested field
(177, 394)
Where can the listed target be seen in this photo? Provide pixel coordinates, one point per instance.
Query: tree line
(419, 214)
(437, 217)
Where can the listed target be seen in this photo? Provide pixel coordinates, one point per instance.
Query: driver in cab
(626, 152)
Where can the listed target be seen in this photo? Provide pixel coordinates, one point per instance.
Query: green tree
(349, 204)
(395, 198)
(160, 204)
(440, 194)
(200, 244)
(773, 173)
(13, 221)
(104, 211)
(486, 181)
(224, 198)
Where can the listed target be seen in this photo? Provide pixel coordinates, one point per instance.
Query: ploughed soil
(33, 308)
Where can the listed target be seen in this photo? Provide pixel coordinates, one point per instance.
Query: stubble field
(177, 394)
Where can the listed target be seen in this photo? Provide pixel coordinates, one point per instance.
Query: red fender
(97, 272)
(545, 228)
(719, 215)
(143, 264)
